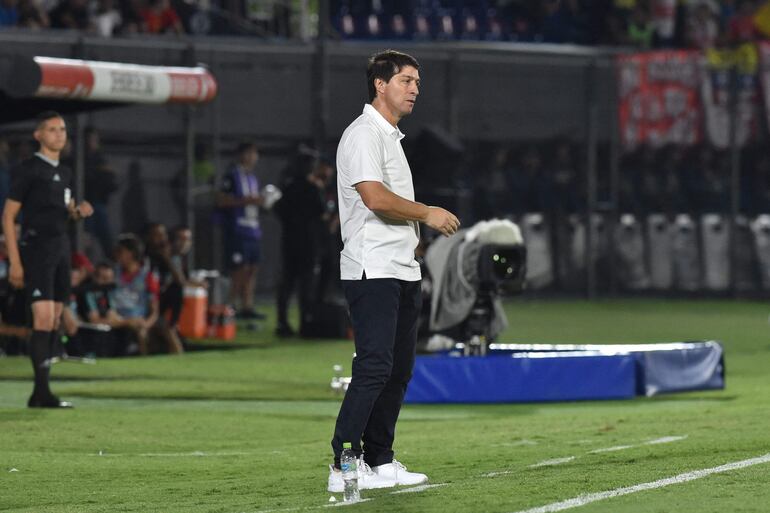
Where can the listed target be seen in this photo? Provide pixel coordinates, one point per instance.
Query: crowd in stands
(633, 23)
(105, 18)
(549, 177)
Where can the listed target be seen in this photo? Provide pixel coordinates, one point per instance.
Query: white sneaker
(367, 479)
(396, 471)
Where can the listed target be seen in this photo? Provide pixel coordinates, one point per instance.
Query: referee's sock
(40, 354)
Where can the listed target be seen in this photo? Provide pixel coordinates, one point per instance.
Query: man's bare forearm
(382, 201)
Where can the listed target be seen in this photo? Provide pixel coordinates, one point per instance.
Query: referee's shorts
(46, 262)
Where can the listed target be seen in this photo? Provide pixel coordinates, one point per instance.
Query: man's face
(52, 134)
(400, 93)
(104, 276)
(182, 242)
(249, 159)
(77, 276)
(158, 236)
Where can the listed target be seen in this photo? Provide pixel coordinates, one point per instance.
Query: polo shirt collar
(386, 127)
(54, 163)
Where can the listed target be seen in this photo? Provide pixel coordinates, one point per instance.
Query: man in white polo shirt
(380, 276)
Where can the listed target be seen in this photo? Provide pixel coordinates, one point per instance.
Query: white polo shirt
(370, 151)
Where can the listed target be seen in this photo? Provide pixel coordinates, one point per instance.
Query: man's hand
(84, 209)
(16, 276)
(442, 220)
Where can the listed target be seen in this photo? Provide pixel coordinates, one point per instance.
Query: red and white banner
(117, 82)
(659, 101)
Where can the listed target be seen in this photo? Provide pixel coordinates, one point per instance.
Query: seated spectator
(160, 18)
(13, 310)
(9, 13)
(80, 274)
(135, 299)
(71, 14)
(181, 245)
(170, 276)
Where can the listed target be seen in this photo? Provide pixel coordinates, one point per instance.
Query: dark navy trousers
(384, 312)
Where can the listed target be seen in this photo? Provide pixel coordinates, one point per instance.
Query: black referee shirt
(44, 192)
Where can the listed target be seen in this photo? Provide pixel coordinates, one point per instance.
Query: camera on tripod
(470, 272)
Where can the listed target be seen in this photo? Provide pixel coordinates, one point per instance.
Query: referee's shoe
(50, 401)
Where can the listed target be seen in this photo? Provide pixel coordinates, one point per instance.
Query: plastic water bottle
(349, 466)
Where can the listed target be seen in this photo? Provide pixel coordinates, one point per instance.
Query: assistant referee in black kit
(40, 258)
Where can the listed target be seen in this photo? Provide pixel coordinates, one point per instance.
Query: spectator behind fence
(107, 18)
(100, 184)
(160, 18)
(72, 15)
(32, 16)
(239, 199)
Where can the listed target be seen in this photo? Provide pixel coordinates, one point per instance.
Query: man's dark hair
(245, 146)
(133, 245)
(177, 229)
(104, 264)
(384, 65)
(45, 116)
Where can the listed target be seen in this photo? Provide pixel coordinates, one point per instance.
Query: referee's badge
(67, 196)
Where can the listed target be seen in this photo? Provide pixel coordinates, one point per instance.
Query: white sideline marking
(556, 461)
(611, 449)
(343, 503)
(420, 488)
(582, 500)
(665, 440)
(194, 454)
(501, 473)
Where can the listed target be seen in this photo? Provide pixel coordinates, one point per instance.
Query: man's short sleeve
(21, 183)
(153, 285)
(91, 305)
(366, 156)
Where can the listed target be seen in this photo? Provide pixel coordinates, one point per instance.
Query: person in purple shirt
(239, 200)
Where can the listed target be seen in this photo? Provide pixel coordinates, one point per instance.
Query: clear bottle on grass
(349, 467)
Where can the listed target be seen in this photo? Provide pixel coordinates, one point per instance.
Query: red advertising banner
(659, 98)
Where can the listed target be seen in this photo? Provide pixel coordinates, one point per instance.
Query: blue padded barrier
(568, 376)
(661, 368)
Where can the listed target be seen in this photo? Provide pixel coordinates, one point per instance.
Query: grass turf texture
(248, 429)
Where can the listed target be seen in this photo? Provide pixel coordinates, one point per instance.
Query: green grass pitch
(247, 430)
